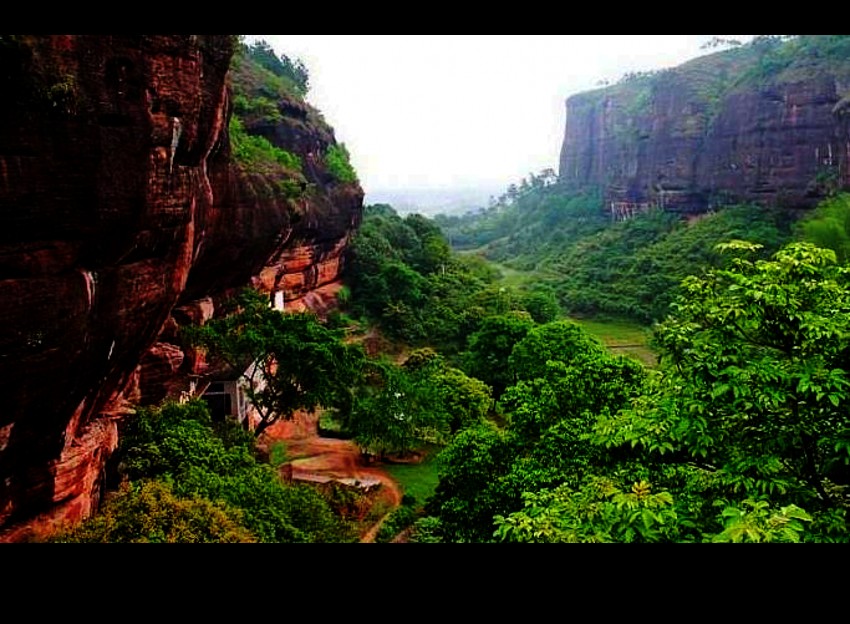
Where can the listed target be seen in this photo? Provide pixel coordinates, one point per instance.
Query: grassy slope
(418, 480)
(622, 338)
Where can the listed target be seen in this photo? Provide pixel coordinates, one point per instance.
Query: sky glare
(462, 111)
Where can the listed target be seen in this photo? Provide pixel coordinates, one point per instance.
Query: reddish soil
(321, 460)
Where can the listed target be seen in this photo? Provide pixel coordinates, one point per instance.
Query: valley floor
(318, 460)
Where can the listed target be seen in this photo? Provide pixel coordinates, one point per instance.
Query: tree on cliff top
(288, 362)
(293, 71)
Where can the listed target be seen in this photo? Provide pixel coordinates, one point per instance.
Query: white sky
(458, 111)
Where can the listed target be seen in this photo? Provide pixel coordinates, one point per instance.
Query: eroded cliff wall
(764, 123)
(122, 214)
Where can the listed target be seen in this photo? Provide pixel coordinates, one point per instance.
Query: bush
(338, 161)
(150, 513)
(257, 154)
(401, 520)
(178, 445)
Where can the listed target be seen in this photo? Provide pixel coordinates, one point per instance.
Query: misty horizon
(457, 111)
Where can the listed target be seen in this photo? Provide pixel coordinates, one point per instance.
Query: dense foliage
(756, 383)
(597, 268)
(268, 92)
(338, 161)
(828, 227)
(188, 480)
(742, 436)
(404, 277)
(150, 513)
(288, 362)
(633, 270)
(551, 408)
(397, 410)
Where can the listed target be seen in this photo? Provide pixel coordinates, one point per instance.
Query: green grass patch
(623, 338)
(418, 480)
(513, 278)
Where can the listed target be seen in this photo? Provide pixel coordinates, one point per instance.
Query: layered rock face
(122, 215)
(718, 130)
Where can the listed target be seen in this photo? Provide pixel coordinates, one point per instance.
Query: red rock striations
(714, 131)
(121, 216)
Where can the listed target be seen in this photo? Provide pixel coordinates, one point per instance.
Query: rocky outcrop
(761, 124)
(122, 215)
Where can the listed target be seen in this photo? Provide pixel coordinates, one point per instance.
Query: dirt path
(322, 460)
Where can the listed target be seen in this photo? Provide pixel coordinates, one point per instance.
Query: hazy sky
(435, 111)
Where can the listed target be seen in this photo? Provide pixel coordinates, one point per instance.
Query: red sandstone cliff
(122, 214)
(764, 123)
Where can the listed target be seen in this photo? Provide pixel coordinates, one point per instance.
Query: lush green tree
(466, 401)
(288, 362)
(150, 513)
(463, 401)
(573, 396)
(490, 349)
(542, 305)
(756, 386)
(557, 342)
(598, 513)
(395, 411)
(471, 492)
(262, 53)
(179, 445)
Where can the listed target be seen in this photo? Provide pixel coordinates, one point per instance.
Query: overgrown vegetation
(257, 155)
(828, 227)
(633, 270)
(404, 278)
(338, 161)
(740, 437)
(597, 268)
(188, 480)
(287, 362)
(268, 93)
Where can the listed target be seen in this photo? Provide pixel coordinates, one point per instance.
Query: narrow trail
(322, 460)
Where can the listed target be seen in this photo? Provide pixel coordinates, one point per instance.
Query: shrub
(338, 161)
(150, 513)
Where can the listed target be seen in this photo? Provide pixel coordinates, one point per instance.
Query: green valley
(649, 346)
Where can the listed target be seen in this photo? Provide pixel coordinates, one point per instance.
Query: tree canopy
(743, 435)
(288, 362)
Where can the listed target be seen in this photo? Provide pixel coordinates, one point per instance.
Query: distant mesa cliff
(123, 215)
(765, 123)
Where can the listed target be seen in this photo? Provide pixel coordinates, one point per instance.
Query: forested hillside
(764, 123)
(457, 361)
(602, 268)
(739, 436)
